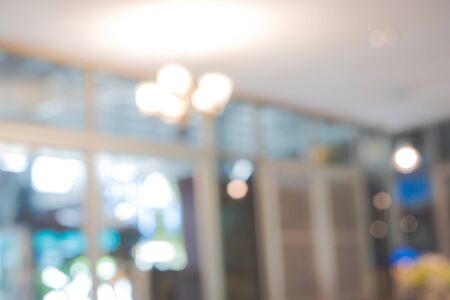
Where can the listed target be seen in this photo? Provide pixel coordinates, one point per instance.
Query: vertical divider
(92, 211)
(270, 234)
(363, 241)
(324, 243)
(92, 204)
(441, 208)
(207, 208)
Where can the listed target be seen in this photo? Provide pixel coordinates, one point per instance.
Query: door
(312, 221)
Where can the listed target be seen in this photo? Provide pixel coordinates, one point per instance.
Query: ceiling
(379, 63)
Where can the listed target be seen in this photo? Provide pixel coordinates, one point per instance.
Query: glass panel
(284, 133)
(238, 230)
(42, 246)
(149, 240)
(39, 92)
(118, 115)
(236, 128)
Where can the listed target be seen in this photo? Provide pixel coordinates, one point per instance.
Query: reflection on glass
(41, 245)
(149, 235)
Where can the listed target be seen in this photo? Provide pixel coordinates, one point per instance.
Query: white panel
(300, 272)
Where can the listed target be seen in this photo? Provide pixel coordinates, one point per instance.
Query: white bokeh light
(156, 192)
(54, 278)
(80, 287)
(56, 295)
(125, 211)
(406, 159)
(147, 253)
(242, 170)
(124, 172)
(105, 292)
(123, 289)
(55, 175)
(14, 162)
(106, 268)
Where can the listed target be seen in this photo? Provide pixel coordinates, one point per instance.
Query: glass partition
(42, 245)
(284, 134)
(36, 91)
(149, 239)
(236, 128)
(117, 114)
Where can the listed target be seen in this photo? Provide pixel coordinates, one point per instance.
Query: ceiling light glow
(175, 79)
(149, 97)
(178, 28)
(213, 93)
(153, 99)
(173, 109)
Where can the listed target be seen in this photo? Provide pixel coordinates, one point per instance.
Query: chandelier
(174, 95)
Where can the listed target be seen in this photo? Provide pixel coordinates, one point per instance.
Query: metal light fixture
(174, 94)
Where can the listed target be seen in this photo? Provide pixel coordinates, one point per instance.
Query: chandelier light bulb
(213, 93)
(171, 97)
(175, 79)
(406, 159)
(149, 96)
(173, 108)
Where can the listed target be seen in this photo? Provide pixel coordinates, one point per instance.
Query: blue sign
(413, 189)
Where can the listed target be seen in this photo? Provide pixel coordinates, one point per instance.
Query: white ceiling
(312, 54)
